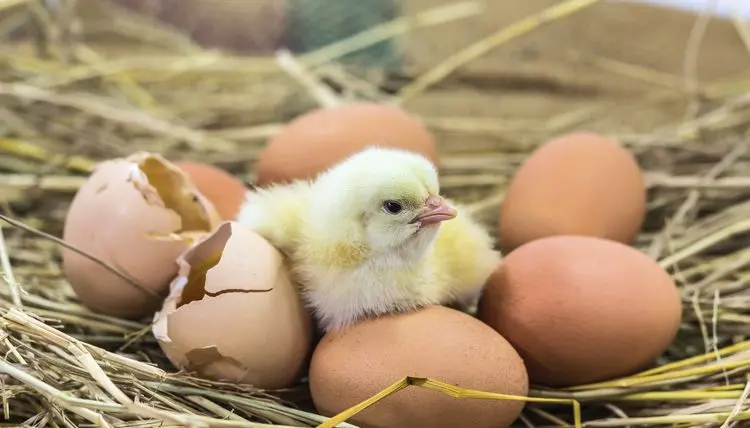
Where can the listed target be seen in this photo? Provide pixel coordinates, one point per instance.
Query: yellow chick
(372, 236)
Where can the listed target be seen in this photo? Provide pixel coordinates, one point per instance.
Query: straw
(86, 101)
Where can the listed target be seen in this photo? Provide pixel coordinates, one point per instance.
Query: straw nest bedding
(65, 366)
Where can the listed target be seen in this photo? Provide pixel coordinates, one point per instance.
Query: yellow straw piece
(695, 371)
(733, 349)
(445, 388)
(677, 369)
(30, 151)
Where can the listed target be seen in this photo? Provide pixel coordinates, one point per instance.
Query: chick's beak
(438, 210)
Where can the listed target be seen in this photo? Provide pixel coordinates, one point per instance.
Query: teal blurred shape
(313, 24)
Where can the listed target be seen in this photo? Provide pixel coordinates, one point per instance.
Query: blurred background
(725, 8)
(200, 79)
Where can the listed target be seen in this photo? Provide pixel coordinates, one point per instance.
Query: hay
(682, 108)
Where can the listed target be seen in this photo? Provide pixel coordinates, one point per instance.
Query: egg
(233, 313)
(577, 184)
(315, 141)
(225, 191)
(582, 309)
(136, 214)
(351, 365)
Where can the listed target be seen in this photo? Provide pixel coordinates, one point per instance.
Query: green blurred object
(313, 24)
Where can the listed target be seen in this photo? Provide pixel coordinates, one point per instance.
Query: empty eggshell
(233, 313)
(582, 309)
(225, 191)
(137, 214)
(314, 141)
(577, 184)
(352, 365)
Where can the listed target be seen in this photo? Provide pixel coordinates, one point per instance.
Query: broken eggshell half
(233, 313)
(136, 214)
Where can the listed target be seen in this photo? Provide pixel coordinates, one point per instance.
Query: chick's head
(388, 198)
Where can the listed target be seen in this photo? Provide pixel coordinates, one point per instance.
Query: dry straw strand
(366, 38)
(482, 47)
(9, 4)
(448, 389)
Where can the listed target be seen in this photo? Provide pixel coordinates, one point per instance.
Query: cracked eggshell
(225, 191)
(233, 313)
(136, 214)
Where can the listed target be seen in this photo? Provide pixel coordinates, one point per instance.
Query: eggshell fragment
(226, 192)
(352, 365)
(317, 140)
(233, 313)
(137, 214)
(577, 184)
(582, 309)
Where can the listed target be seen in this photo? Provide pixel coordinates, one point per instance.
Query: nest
(672, 87)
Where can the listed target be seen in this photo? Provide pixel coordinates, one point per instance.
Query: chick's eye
(392, 207)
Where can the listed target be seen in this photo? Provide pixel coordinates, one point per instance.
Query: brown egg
(581, 309)
(437, 342)
(137, 214)
(577, 184)
(225, 191)
(315, 141)
(233, 313)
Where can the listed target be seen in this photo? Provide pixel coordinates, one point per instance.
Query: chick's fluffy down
(352, 258)
(463, 258)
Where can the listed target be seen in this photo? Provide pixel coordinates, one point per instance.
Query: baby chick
(372, 236)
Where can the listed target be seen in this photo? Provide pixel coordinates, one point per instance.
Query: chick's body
(276, 214)
(371, 236)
